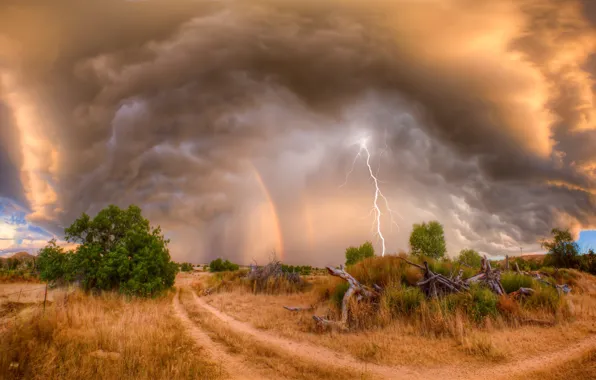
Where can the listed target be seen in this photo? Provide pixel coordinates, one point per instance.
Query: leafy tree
(186, 267)
(428, 239)
(117, 249)
(470, 257)
(52, 262)
(219, 265)
(356, 254)
(562, 249)
(588, 262)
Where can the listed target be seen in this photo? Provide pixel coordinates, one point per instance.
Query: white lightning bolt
(378, 193)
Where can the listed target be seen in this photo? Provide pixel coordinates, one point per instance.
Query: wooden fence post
(45, 296)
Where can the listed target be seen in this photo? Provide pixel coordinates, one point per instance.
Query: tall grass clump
(383, 271)
(545, 298)
(512, 282)
(402, 301)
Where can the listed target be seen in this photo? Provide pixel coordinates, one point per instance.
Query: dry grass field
(236, 334)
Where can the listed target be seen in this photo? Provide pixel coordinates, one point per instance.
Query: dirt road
(235, 368)
(311, 352)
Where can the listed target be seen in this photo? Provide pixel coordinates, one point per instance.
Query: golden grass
(269, 361)
(583, 367)
(102, 337)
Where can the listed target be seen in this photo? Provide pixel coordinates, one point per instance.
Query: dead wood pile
(538, 276)
(272, 275)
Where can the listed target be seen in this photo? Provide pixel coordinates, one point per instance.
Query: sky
(234, 124)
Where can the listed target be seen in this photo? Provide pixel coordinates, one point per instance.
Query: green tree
(186, 267)
(562, 249)
(356, 254)
(470, 257)
(118, 250)
(51, 262)
(588, 262)
(219, 265)
(428, 239)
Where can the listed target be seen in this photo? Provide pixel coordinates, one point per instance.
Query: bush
(403, 301)
(411, 276)
(484, 303)
(338, 294)
(356, 254)
(219, 265)
(543, 298)
(384, 271)
(303, 270)
(186, 267)
(443, 267)
(512, 282)
(118, 250)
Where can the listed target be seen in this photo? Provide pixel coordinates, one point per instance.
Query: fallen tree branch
(292, 308)
(355, 289)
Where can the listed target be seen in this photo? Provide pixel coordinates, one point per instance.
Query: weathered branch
(292, 308)
(355, 289)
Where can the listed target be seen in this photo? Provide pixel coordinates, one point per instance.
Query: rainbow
(279, 245)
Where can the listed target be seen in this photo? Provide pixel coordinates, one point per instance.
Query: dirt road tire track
(312, 352)
(234, 367)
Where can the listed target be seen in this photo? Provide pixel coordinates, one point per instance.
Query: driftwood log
(521, 292)
(435, 284)
(355, 289)
(538, 277)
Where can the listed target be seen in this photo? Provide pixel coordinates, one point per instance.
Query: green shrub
(403, 301)
(456, 301)
(219, 265)
(483, 303)
(303, 270)
(512, 281)
(186, 267)
(443, 267)
(543, 298)
(356, 254)
(338, 293)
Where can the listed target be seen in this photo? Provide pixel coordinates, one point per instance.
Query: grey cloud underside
(10, 185)
(167, 110)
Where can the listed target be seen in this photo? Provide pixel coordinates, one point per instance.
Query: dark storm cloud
(165, 103)
(10, 183)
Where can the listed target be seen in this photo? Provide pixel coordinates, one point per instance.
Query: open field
(240, 335)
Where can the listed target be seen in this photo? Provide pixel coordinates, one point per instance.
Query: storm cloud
(233, 123)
